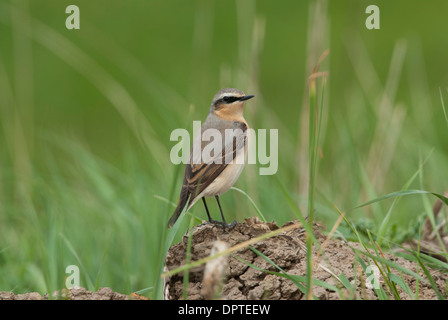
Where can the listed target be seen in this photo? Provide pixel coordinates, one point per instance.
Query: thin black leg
(220, 209)
(206, 209)
(224, 224)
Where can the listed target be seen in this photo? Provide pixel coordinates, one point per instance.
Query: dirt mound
(287, 250)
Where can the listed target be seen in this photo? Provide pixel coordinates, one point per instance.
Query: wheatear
(216, 174)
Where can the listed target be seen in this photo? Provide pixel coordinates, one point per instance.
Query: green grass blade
(90, 285)
(296, 279)
(144, 290)
(400, 282)
(97, 282)
(430, 278)
(381, 294)
(299, 285)
(186, 276)
(391, 264)
(443, 106)
(401, 194)
(346, 282)
(390, 284)
(385, 223)
(260, 215)
(291, 276)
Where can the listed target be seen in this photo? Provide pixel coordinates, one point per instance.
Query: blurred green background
(86, 117)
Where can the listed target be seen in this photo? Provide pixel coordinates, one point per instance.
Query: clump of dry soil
(288, 251)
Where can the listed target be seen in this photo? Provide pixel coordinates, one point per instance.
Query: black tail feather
(184, 195)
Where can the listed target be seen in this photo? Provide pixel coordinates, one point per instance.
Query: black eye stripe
(229, 99)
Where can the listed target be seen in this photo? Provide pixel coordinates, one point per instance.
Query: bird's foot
(223, 224)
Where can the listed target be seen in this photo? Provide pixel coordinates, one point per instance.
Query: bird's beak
(246, 98)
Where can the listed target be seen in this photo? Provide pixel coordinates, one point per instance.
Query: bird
(216, 175)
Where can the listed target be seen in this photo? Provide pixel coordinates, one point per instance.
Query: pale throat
(232, 112)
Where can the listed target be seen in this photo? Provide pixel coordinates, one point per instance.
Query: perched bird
(207, 176)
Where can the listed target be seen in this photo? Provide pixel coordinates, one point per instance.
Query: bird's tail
(183, 199)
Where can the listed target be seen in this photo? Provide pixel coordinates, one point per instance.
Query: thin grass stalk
(188, 259)
(314, 134)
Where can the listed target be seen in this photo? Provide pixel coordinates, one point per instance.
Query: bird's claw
(223, 224)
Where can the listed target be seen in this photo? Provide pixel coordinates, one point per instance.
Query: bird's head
(229, 103)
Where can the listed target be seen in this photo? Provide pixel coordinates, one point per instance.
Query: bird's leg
(208, 213)
(224, 224)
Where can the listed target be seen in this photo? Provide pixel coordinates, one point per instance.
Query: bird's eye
(229, 99)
